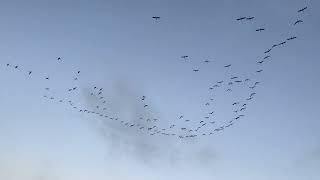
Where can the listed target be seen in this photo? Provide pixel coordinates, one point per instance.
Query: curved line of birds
(149, 123)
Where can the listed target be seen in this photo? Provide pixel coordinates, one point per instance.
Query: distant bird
(156, 17)
(266, 57)
(78, 72)
(220, 82)
(47, 78)
(267, 51)
(227, 65)
(260, 29)
(260, 62)
(211, 112)
(59, 58)
(234, 77)
(206, 61)
(196, 70)
(249, 18)
(29, 72)
(275, 45)
(184, 57)
(235, 103)
(282, 43)
(241, 18)
(145, 105)
(292, 38)
(297, 22)
(238, 81)
(16, 67)
(259, 71)
(8, 64)
(228, 90)
(180, 117)
(303, 9)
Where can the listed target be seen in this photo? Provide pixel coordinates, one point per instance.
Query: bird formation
(181, 127)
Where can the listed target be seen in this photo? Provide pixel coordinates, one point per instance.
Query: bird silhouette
(303, 9)
(298, 22)
(260, 29)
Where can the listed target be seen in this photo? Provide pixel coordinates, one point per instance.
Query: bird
(59, 58)
(282, 43)
(156, 17)
(16, 67)
(259, 71)
(303, 9)
(275, 45)
(196, 70)
(220, 82)
(297, 22)
(184, 57)
(266, 57)
(29, 72)
(206, 61)
(241, 18)
(292, 38)
(238, 81)
(234, 77)
(78, 72)
(227, 65)
(249, 18)
(47, 78)
(260, 62)
(235, 103)
(267, 51)
(260, 29)
(181, 117)
(145, 105)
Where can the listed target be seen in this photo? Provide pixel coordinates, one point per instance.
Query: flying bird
(267, 51)
(292, 38)
(297, 22)
(29, 72)
(156, 17)
(266, 57)
(249, 18)
(303, 9)
(241, 18)
(196, 70)
(259, 71)
(227, 65)
(260, 29)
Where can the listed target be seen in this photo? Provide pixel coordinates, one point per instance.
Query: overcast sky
(118, 46)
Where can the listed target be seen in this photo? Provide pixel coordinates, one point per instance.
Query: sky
(118, 46)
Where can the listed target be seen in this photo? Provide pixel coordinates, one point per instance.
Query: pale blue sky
(117, 46)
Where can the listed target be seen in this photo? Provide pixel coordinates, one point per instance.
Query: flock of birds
(205, 126)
